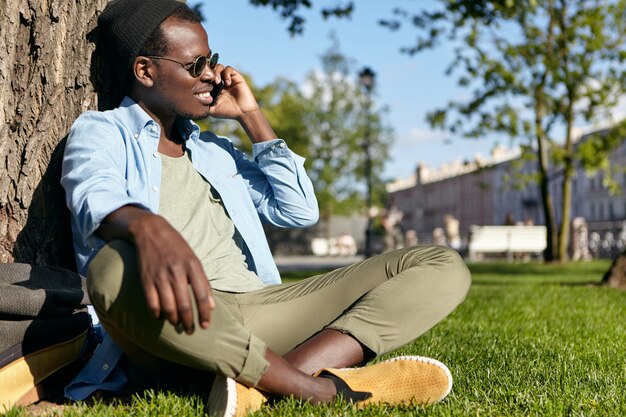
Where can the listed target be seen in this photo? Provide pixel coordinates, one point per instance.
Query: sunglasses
(196, 67)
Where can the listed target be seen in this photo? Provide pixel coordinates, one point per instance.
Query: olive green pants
(383, 302)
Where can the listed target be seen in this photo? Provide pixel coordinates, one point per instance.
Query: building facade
(501, 190)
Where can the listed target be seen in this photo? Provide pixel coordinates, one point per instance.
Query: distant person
(167, 225)
(410, 238)
(453, 235)
(439, 237)
(580, 240)
(391, 221)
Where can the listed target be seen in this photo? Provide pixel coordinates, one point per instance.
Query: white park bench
(337, 246)
(507, 240)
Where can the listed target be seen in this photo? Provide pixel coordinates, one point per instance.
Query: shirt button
(155, 188)
(136, 135)
(282, 144)
(153, 129)
(105, 366)
(156, 154)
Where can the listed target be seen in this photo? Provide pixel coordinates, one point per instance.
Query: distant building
(591, 197)
(488, 191)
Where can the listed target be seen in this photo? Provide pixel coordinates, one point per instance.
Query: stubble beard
(184, 114)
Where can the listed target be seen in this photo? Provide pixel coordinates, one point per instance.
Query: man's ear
(144, 71)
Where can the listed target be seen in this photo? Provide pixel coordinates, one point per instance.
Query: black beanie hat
(126, 25)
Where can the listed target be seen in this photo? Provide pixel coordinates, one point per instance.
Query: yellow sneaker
(229, 398)
(401, 380)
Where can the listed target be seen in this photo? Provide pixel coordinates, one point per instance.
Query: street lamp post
(367, 78)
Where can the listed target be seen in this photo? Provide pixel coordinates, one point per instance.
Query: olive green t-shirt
(194, 209)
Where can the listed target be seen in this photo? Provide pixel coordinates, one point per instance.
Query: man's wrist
(142, 222)
(127, 223)
(257, 126)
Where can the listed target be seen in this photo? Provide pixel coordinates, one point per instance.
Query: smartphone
(217, 89)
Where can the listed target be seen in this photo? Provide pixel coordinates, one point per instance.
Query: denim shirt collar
(139, 120)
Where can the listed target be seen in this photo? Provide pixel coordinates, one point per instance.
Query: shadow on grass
(596, 267)
(571, 274)
(542, 281)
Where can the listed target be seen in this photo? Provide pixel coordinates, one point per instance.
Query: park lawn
(530, 340)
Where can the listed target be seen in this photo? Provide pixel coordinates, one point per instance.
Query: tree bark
(568, 173)
(543, 166)
(46, 81)
(615, 277)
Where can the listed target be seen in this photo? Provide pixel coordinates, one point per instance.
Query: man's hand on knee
(167, 265)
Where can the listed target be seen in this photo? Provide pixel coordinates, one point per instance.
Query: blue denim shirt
(111, 160)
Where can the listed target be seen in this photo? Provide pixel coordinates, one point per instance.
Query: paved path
(307, 263)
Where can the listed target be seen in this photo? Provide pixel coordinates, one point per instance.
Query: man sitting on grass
(167, 221)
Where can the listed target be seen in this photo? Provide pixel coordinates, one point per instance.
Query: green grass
(530, 340)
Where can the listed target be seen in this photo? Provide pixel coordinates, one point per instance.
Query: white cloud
(413, 146)
(420, 135)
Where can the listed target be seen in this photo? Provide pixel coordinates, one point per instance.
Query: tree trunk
(543, 166)
(568, 172)
(548, 210)
(566, 210)
(615, 277)
(45, 83)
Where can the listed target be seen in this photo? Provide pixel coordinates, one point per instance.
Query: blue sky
(255, 40)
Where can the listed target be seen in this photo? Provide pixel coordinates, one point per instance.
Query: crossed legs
(275, 338)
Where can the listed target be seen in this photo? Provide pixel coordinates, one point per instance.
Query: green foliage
(593, 155)
(290, 10)
(339, 122)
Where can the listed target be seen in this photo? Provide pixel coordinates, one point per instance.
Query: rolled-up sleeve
(279, 185)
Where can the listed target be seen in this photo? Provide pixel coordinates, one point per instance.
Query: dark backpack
(44, 328)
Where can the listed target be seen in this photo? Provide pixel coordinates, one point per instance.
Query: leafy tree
(337, 126)
(537, 68)
(291, 10)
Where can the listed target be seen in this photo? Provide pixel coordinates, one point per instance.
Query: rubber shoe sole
(401, 380)
(229, 398)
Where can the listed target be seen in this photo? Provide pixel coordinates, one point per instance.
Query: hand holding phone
(217, 89)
